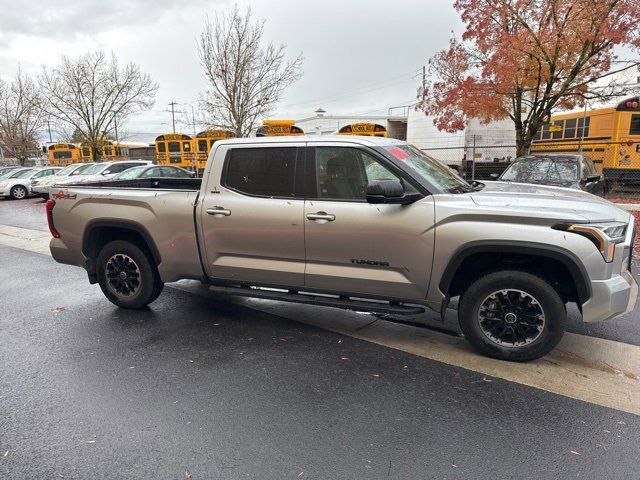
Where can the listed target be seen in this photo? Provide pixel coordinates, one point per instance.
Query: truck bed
(192, 184)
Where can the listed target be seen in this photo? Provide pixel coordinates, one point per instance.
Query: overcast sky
(360, 56)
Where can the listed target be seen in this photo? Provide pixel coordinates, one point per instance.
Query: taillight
(49, 207)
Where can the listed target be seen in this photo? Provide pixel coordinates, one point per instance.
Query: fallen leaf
(59, 309)
(485, 379)
(6, 453)
(91, 441)
(300, 474)
(575, 453)
(622, 423)
(375, 375)
(344, 358)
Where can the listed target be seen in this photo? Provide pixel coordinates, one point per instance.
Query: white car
(18, 184)
(102, 171)
(41, 187)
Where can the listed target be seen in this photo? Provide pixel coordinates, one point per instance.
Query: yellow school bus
(204, 142)
(63, 154)
(365, 129)
(278, 128)
(109, 151)
(609, 136)
(176, 149)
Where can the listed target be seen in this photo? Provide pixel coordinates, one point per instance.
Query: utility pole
(424, 78)
(584, 119)
(173, 115)
(49, 129)
(193, 119)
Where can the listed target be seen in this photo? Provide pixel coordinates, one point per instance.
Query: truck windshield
(431, 170)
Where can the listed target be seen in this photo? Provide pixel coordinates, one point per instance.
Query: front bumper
(611, 298)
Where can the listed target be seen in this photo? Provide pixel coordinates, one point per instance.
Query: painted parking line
(26, 239)
(591, 369)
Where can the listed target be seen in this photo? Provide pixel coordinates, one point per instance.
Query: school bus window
(107, 151)
(570, 128)
(202, 145)
(546, 134)
(85, 152)
(557, 134)
(174, 147)
(211, 142)
(162, 147)
(635, 125)
(186, 146)
(583, 127)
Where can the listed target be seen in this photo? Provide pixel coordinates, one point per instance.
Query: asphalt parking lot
(199, 387)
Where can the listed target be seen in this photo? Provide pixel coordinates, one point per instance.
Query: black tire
(19, 192)
(523, 324)
(138, 286)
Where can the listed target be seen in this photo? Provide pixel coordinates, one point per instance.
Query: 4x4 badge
(63, 196)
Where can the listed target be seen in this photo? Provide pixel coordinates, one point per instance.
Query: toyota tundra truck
(362, 223)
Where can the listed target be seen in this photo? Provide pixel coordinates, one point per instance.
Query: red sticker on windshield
(399, 154)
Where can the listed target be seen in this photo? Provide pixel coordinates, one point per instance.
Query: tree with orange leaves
(524, 59)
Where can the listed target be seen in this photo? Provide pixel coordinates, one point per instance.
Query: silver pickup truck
(371, 224)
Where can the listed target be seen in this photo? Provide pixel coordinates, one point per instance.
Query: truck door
(251, 215)
(358, 248)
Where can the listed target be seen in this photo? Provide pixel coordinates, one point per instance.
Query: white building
(323, 124)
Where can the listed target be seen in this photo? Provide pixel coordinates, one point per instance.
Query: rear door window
(265, 172)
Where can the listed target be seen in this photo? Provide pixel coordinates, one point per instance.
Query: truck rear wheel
(512, 315)
(127, 276)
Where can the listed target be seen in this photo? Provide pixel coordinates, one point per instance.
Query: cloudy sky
(360, 56)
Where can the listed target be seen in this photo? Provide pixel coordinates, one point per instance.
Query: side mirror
(494, 176)
(106, 172)
(389, 191)
(593, 178)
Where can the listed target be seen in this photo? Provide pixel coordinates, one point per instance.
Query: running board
(348, 303)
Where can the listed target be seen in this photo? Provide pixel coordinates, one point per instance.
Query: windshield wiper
(461, 189)
(477, 186)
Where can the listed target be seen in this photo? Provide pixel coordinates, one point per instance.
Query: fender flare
(124, 225)
(566, 257)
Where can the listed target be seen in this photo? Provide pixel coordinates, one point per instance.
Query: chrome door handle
(219, 211)
(321, 216)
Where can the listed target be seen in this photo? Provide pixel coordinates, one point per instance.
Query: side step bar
(347, 303)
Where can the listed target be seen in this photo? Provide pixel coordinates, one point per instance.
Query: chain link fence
(475, 158)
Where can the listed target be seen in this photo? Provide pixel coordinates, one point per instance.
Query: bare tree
(21, 116)
(91, 93)
(246, 79)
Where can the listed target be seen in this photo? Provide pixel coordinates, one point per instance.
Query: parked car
(104, 170)
(570, 171)
(18, 184)
(154, 171)
(300, 219)
(41, 186)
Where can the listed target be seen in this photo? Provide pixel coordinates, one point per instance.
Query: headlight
(605, 236)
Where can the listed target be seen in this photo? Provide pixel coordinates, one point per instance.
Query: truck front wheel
(127, 276)
(512, 315)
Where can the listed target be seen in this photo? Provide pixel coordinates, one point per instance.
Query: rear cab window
(262, 171)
